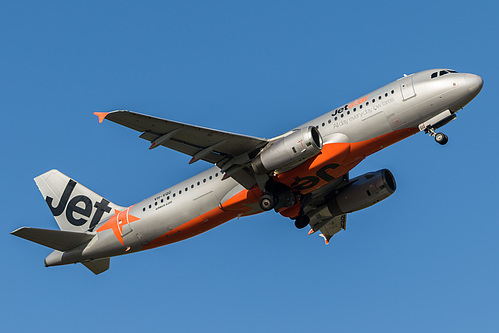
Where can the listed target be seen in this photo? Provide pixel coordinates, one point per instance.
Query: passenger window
(393, 92)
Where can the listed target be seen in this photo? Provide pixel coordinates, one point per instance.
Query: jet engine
(291, 150)
(362, 192)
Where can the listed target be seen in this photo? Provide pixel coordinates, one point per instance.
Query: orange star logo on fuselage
(117, 222)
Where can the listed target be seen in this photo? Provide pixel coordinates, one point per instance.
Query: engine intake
(291, 150)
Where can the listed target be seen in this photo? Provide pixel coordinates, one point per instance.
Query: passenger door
(407, 88)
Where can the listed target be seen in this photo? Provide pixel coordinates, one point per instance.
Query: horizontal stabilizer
(97, 266)
(55, 239)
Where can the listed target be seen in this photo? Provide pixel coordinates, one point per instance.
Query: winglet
(101, 115)
(325, 239)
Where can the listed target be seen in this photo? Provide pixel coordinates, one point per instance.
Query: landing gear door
(407, 88)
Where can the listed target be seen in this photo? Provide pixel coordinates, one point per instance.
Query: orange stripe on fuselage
(243, 203)
(335, 160)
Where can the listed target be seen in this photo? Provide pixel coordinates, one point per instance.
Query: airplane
(302, 174)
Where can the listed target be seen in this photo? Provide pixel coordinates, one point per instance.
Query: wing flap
(184, 147)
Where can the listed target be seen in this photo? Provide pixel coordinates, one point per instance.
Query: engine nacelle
(362, 192)
(291, 150)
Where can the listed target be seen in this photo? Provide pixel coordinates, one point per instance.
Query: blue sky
(423, 260)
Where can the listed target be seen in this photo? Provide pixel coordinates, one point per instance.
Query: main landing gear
(440, 138)
(302, 221)
(267, 202)
(277, 195)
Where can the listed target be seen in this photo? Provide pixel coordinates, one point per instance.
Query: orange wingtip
(325, 239)
(101, 115)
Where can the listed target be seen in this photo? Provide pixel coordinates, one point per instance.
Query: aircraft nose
(474, 83)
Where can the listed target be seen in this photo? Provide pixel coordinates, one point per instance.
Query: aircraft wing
(224, 149)
(333, 226)
(322, 219)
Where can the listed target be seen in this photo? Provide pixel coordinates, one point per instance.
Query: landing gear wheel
(302, 221)
(267, 202)
(441, 138)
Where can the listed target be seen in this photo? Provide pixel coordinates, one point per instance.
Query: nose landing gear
(440, 137)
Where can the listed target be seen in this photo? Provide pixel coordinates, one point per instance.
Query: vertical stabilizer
(75, 207)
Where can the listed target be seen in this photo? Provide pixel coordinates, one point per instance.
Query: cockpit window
(442, 72)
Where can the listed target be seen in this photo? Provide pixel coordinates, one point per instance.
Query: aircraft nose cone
(474, 83)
